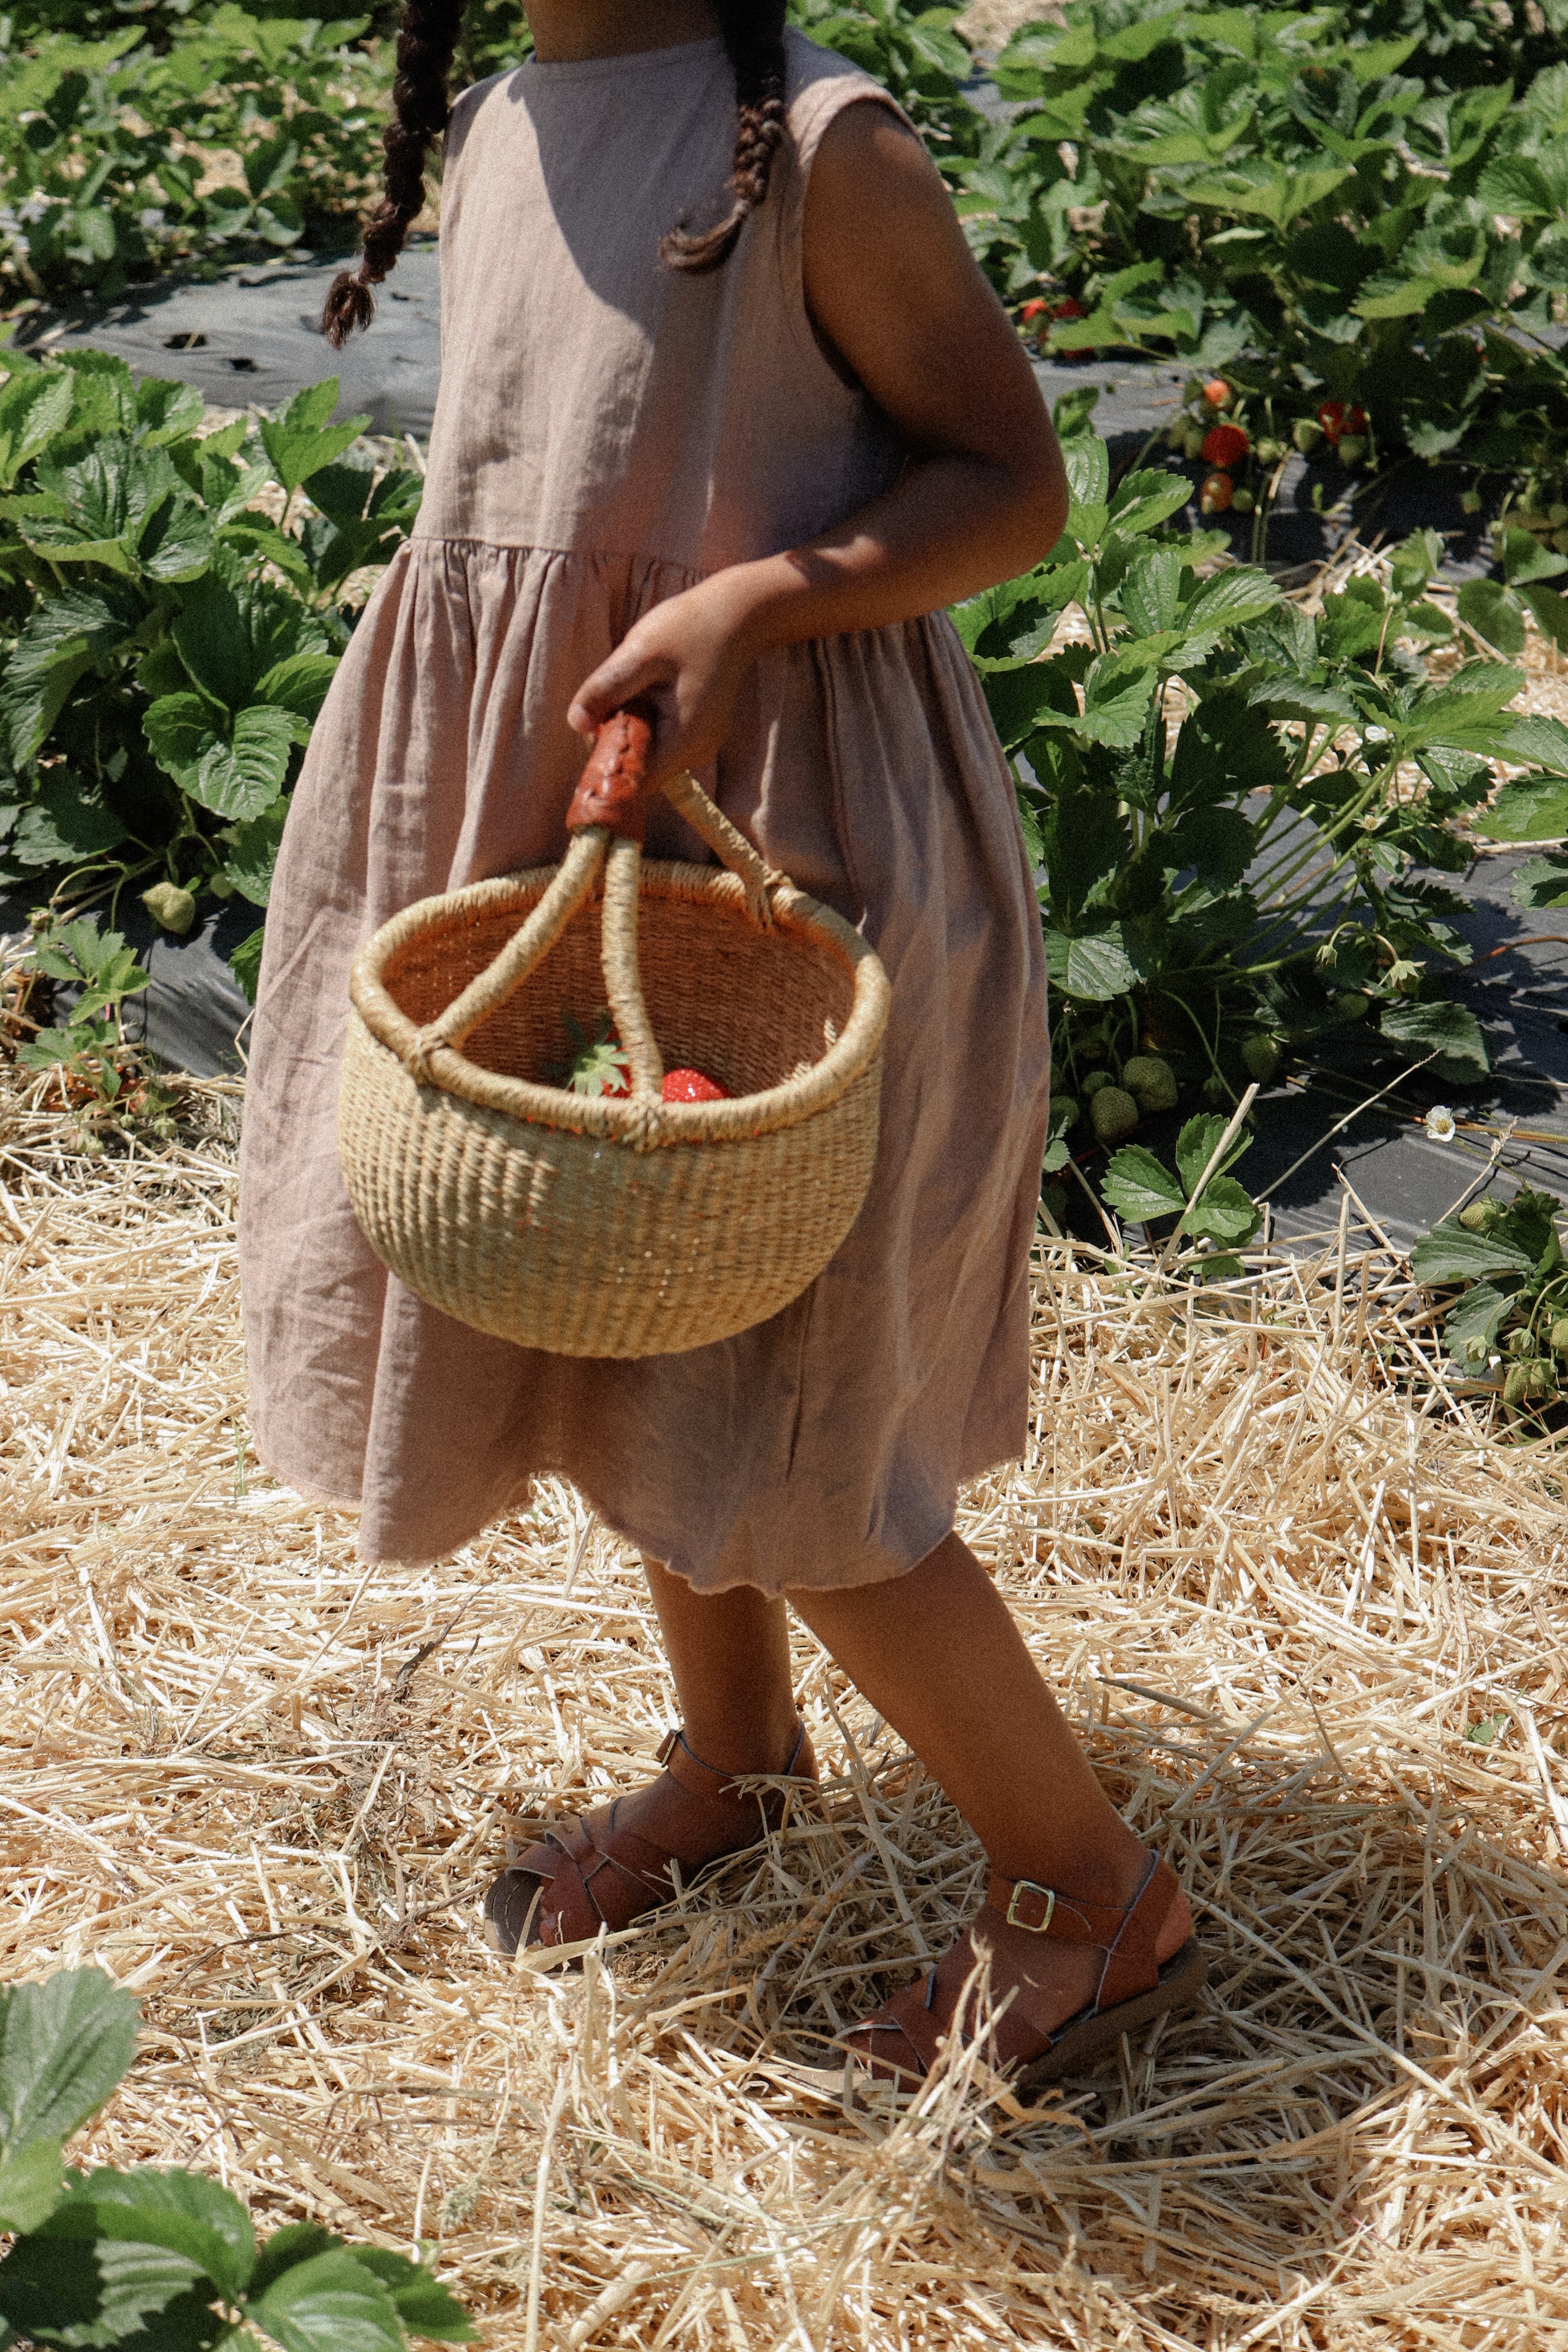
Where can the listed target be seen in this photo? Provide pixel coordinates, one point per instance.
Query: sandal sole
(1082, 2048)
(1078, 2049)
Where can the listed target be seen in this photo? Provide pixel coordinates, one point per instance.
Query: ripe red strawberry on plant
(1336, 419)
(1217, 392)
(1225, 445)
(1064, 306)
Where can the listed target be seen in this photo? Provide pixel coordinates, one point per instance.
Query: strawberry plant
(914, 52)
(1207, 1204)
(155, 2260)
(1366, 241)
(171, 611)
(1223, 893)
(1507, 1321)
(107, 145)
(86, 1051)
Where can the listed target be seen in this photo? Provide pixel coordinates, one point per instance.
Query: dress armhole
(810, 113)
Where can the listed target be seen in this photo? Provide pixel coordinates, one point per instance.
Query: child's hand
(688, 657)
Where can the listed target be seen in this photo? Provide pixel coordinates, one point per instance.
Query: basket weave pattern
(614, 1225)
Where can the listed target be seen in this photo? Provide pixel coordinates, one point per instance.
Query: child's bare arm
(892, 286)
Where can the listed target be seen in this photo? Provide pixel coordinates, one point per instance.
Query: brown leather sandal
(593, 1875)
(1134, 1988)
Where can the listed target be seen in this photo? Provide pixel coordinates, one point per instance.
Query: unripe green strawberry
(1243, 503)
(1260, 1054)
(1350, 448)
(1541, 1379)
(1560, 1336)
(1065, 1113)
(1557, 515)
(1152, 1081)
(1470, 501)
(1515, 1386)
(1476, 1217)
(1113, 1114)
(1094, 1082)
(1307, 435)
(169, 905)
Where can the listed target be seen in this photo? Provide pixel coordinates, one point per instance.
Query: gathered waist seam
(462, 542)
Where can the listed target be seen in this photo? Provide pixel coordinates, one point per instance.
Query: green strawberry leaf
(1223, 1211)
(330, 2302)
(1451, 1253)
(424, 2306)
(182, 2212)
(64, 2045)
(31, 2180)
(1470, 1332)
(253, 853)
(245, 962)
(241, 777)
(1138, 1188)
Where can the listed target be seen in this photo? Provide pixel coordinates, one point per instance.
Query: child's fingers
(616, 682)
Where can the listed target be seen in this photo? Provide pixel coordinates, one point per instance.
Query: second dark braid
(753, 39)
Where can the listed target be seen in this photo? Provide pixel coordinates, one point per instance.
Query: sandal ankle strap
(1126, 1933)
(683, 1764)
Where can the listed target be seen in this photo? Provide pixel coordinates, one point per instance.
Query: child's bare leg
(938, 1655)
(729, 1653)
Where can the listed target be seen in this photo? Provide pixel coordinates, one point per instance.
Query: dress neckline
(562, 70)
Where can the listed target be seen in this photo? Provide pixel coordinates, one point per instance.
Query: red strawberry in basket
(600, 1065)
(692, 1086)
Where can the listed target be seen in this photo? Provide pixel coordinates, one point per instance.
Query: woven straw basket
(617, 1225)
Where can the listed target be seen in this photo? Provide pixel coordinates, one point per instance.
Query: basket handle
(605, 820)
(613, 791)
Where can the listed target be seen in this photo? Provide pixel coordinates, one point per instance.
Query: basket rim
(617, 1118)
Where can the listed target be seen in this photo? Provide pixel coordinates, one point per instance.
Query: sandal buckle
(1030, 1886)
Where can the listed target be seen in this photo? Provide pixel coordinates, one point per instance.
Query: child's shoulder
(818, 82)
(809, 66)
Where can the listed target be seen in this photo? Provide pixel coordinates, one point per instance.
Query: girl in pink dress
(728, 416)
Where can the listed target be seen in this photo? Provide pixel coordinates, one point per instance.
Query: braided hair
(427, 38)
(753, 39)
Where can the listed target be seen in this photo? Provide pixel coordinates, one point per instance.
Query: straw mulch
(1309, 1627)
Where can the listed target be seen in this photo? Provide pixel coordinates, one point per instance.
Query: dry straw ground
(262, 1787)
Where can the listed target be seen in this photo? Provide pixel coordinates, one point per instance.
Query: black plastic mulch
(253, 334)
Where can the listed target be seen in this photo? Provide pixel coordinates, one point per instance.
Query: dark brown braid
(426, 38)
(753, 37)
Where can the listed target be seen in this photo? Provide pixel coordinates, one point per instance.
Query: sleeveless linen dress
(608, 431)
